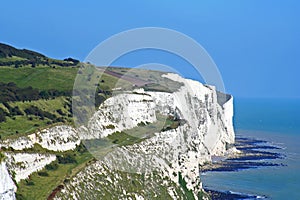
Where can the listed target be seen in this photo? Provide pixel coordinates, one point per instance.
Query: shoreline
(230, 195)
(253, 153)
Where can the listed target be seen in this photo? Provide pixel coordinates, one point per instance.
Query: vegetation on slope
(31, 84)
(2, 156)
(40, 185)
(27, 77)
(34, 98)
(22, 118)
(41, 77)
(35, 93)
(153, 79)
(101, 147)
(10, 56)
(149, 186)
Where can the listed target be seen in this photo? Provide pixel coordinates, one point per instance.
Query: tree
(2, 115)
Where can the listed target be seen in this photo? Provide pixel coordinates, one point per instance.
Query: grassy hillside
(10, 56)
(30, 81)
(36, 91)
(7, 51)
(57, 83)
(23, 124)
(44, 79)
(41, 77)
(42, 183)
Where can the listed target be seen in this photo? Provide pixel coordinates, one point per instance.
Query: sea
(278, 122)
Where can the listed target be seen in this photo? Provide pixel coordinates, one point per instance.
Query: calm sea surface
(274, 120)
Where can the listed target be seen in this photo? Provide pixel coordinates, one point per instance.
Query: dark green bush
(110, 126)
(43, 173)
(29, 182)
(66, 158)
(52, 166)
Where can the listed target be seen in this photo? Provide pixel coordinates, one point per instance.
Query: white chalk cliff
(207, 130)
(120, 112)
(58, 138)
(24, 164)
(7, 186)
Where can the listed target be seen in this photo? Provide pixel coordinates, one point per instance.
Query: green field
(48, 78)
(51, 105)
(62, 79)
(154, 78)
(20, 126)
(43, 78)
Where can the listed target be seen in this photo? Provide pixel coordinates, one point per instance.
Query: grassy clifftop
(34, 98)
(36, 91)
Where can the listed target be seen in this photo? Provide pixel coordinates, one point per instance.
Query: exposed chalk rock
(58, 138)
(7, 186)
(24, 164)
(208, 131)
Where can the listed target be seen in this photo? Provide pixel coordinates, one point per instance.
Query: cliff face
(120, 112)
(169, 158)
(206, 130)
(21, 165)
(7, 186)
(58, 138)
(24, 164)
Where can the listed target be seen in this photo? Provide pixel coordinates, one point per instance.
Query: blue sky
(255, 43)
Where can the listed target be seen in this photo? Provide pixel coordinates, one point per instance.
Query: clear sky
(255, 43)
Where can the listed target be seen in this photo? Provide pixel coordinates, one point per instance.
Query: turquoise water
(274, 120)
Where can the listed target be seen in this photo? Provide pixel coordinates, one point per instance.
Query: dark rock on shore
(253, 154)
(228, 195)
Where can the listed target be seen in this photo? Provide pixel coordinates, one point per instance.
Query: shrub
(11, 92)
(2, 156)
(110, 126)
(2, 115)
(28, 182)
(115, 141)
(42, 173)
(33, 110)
(66, 158)
(66, 180)
(141, 124)
(52, 166)
(81, 148)
(20, 196)
(59, 111)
